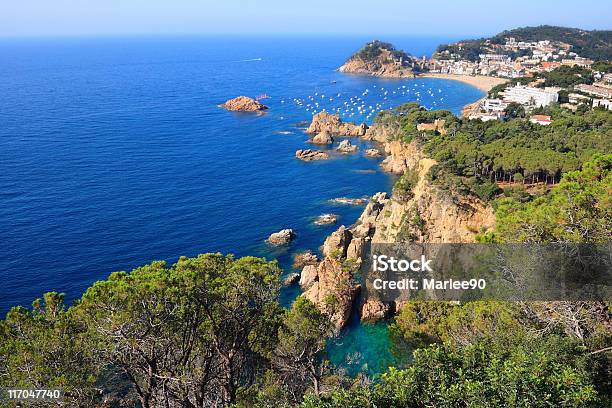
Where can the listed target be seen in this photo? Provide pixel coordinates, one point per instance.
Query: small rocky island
(381, 59)
(282, 237)
(310, 155)
(244, 104)
(346, 146)
(325, 219)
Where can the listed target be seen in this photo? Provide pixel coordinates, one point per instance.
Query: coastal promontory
(380, 59)
(244, 104)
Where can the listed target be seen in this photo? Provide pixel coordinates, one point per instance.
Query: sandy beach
(482, 82)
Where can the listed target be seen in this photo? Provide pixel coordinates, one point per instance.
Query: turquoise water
(114, 153)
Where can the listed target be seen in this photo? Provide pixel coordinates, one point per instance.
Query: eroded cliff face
(333, 291)
(431, 215)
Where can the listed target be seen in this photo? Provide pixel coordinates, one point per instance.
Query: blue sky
(427, 18)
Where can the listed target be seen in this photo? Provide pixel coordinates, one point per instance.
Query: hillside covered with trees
(474, 156)
(596, 44)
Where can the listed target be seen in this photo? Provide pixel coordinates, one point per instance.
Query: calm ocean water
(114, 153)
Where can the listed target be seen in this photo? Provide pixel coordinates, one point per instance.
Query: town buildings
(535, 97)
(543, 120)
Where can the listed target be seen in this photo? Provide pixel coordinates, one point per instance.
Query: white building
(487, 116)
(575, 98)
(602, 103)
(494, 105)
(543, 120)
(531, 96)
(599, 91)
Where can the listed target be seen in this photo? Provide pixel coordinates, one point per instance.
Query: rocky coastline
(330, 283)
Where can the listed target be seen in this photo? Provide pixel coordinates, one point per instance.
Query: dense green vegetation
(566, 76)
(578, 209)
(473, 157)
(372, 50)
(596, 44)
(486, 353)
(191, 334)
(602, 66)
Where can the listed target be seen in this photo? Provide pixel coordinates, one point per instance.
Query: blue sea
(114, 152)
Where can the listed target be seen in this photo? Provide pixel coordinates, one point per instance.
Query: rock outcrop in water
(346, 146)
(332, 124)
(282, 237)
(325, 219)
(349, 201)
(310, 155)
(323, 138)
(372, 153)
(373, 310)
(332, 285)
(244, 104)
(291, 279)
(379, 59)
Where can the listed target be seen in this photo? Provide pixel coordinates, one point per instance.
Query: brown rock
(323, 138)
(334, 292)
(374, 310)
(308, 276)
(346, 147)
(310, 155)
(372, 153)
(291, 279)
(325, 219)
(355, 249)
(281, 237)
(304, 258)
(349, 201)
(332, 124)
(336, 244)
(244, 104)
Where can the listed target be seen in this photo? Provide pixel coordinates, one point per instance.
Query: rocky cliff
(439, 216)
(427, 214)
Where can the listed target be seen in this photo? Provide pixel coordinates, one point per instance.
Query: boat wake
(251, 60)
